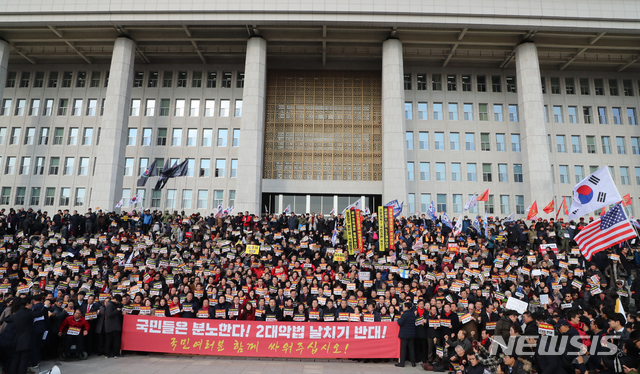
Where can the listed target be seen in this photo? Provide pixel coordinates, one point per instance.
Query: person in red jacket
(75, 321)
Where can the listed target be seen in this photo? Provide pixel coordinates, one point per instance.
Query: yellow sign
(253, 249)
(338, 256)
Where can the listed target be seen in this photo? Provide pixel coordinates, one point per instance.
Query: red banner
(260, 339)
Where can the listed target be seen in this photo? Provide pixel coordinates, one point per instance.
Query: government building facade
(317, 104)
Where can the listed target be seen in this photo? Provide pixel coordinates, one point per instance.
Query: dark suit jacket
(23, 320)
(407, 324)
(113, 318)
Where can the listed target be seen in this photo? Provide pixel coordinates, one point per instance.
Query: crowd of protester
(72, 277)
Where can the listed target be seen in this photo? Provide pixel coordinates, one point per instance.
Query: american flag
(613, 228)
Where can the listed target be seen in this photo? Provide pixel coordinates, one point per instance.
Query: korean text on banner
(260, 339)
(353, 224)
(385, 228)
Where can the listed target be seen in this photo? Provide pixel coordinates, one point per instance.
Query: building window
(39, 169)
(440, 172)
(128, 166)
(162, 137)
(176, 137)
(410, 171)
(502, 173)
(25, 166)
(470, 141)
(407, 81)
(515, 142)
(67, 77)
(6, 195)
(483, 112)
(591, 144)
(146, 136)
(586, 112)
(555, 86)
(520, 204)
(65, 195)
(202, 199)
(486, 173)
(638, 175)
(217, 198)
(452, 83)
(138, 79)
(79, 200)
(238, 108)
(409, 139)
(511, 85)
(422, 82)
(20, 195)
(578, 171)
(441, 203)
(91, 107)
(16, 134)
(50, 194)
(211, 79)
(132, 136)
(500, 143)
(635, 146)
(560, 142)
(236, 138)
(437, 111)
(620, 145)
(599, 86)
(186, 199)
(468, 112)
(613, 87)
(192, 137)
(504, 204)
(557, 114)
(165, 105)
(628, 87)
(425, 201)
(606, 145)
(517, 173)
(222, 137)
(224, 108)
(466, 83)
(226, 79)
(617, 117)
(53, 79)
(143, 165)
(54, 164)
(182, 79)
(408, 110)
(439, 141)
(513, 113)
(472, 173)
(573, 114)
(196, 79)
(207, 136)
(456, 172)
(454, 141)
(35, 196)
(171, 199)
(424, 171)
(63, 104)
(575, 144)
(457, 203)
(423, 140)
(584, 86)
(220, 167)
(209, 106)
(69, 163)
(156, 198)
(631, 116)
(6, 107)
(205, 165)
(570, 86)
(34, 109)
(20, 104)
(485, 143)
(83, 168)
(422, 110)
(240, 80)
(179, 112)
(453, 111)
(496, 84)
(25, 78)
(436, 82)
(481, 83)
(194, 108)
(564, 174)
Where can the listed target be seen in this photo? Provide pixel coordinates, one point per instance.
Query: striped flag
(613, 228)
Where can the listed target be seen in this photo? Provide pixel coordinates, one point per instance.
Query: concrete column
(254, 95)
(394, 157)
(107, 182)
(535, 150)
(4, 62)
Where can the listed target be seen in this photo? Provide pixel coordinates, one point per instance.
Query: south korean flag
(596, 191)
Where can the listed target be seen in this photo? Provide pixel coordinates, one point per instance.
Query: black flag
(151, 171)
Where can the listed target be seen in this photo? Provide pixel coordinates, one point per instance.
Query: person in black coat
(407, 334)
(22, 320)
(113, 326)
